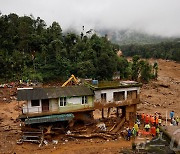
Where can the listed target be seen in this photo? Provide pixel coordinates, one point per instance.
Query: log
(48, 129)
(164, 85)
(119, 125)
(79, 131)
(113, 127)
(100, 135)
(42, 139)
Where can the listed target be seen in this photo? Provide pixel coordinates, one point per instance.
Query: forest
(31, 50)
(164, 50)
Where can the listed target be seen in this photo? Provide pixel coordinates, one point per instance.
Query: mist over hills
(128, 36)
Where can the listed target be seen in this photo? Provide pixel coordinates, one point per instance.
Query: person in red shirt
(147, 119)
(142, 116)
(157, 120)
(153, 131)
(152, 120)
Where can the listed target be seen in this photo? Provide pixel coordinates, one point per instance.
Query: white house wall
(32, 109)
(54, 105)
(74, 100)
(109, 93)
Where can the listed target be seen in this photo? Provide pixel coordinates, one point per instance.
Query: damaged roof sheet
(113, 84)
(54, 92)
(50, 118)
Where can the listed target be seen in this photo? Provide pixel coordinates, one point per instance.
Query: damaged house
(122, 95)
(55, 104)
(73, 102)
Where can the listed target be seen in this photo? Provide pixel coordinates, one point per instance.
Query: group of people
(152, 123)
(174, 121)
(132, 132)
(149, 123)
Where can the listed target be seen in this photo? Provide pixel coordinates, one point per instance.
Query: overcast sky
(161, 17)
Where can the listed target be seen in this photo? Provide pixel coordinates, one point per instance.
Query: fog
(159, 17)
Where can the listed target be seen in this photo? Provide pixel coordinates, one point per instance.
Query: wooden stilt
(117, 111)
(102, 113)
(109, 110)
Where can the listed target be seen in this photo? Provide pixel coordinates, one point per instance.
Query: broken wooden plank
(100, 135)
(119, 125)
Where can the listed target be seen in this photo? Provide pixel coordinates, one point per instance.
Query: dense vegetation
(165, 50)
(31, 50)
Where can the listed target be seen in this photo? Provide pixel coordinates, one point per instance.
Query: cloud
(159, 17)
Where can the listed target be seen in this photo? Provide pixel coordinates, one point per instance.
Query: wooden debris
(79, 131)
(119, 125)
(100, 135)
(164, 85)
(113, 127)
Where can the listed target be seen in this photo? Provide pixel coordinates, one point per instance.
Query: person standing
(177, 120)
(134, 132)
(136, 128)
(152, 120)
(147, 119)
(129, 132)
(142, 117)
(147, 127)
(160, 120)
(157, 131)
(138, 122)
(138, 116)
(157, 121)
(171, 114)
(174, 122)
(153, 131)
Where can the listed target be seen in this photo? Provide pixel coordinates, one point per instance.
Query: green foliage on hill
(165, 50)
(31, 50)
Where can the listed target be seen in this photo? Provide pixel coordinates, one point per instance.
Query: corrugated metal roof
(55, 92)
(50, 118)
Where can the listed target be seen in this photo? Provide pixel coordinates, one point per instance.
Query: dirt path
(164, 94)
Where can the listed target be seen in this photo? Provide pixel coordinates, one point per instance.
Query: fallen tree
(93, 135)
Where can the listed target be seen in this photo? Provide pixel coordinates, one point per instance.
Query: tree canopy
(165, 50)
(31, 50)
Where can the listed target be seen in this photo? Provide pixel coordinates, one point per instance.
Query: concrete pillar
(125, 95)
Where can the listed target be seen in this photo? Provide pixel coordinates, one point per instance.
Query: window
(84, 100)
(132, 94)
(35, 103)
(103, 97)
(62, 101)
(118, 96)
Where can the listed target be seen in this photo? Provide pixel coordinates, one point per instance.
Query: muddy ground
(161, 96)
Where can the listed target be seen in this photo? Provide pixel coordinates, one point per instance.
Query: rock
(55, 141)
(68, 132)
(7, 128)
(45, 142)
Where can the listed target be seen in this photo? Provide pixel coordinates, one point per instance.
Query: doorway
(45, 105)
